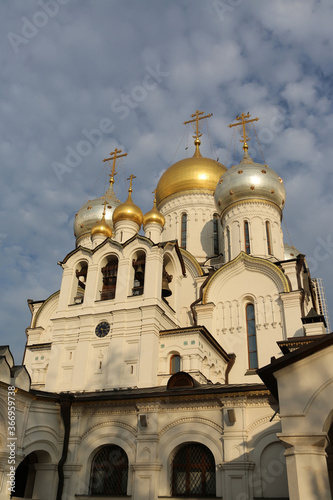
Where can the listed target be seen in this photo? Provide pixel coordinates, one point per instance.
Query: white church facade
(140, 375)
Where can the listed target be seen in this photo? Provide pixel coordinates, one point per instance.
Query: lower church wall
(235, 432)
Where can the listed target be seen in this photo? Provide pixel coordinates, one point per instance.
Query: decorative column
(307, 466)
(146, 467)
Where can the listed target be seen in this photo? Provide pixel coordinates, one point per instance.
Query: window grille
(184, 231)
(247, 237)
(109, 472)
(251, 337)
(193, 472)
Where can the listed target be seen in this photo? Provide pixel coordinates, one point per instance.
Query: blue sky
(127, 74)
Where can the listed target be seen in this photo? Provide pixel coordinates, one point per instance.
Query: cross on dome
(130, 178)
(114, 156)
(196, 117)
(242, 121)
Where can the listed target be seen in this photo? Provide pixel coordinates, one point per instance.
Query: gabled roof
(266, 373)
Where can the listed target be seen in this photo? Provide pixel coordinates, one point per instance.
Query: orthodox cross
(114, 156)
(131, 177)
(243, 121)
(196, 117)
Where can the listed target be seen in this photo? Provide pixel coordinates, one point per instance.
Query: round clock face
(102, 329)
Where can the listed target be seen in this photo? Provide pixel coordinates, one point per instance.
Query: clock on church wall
(102, 329)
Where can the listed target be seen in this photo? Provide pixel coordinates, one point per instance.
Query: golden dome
(153, 216)
(128, 211)
(102, 228)
(198, 174)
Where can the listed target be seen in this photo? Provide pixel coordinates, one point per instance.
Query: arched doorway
(25, 477)
(33, 480)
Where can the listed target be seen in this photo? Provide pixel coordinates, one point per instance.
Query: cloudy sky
(81, 77)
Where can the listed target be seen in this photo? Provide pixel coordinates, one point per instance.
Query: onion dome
(154, 216)
(190, 175)
(128, 211)
(290, 252)
(92, 212)
(249, 181)
(102, 228)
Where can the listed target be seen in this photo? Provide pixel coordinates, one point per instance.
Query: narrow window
(229, 244)
(139, 265)
(81, 275)
(247, 237)
(184, 231)
(251, 337)
(193, 472)
(216, 234)
(109, 472)
(268, 237)
(175, 363)
(109, 273)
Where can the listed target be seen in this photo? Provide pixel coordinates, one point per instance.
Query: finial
(196, 117)
(242, 121)
(130, 178)
(114, 156)
(154, 193)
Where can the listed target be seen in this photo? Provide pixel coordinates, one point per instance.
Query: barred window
(193, 472)
(109, 472)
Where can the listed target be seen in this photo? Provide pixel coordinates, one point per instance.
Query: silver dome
(249, 180)
(290, 252)
(92, 212)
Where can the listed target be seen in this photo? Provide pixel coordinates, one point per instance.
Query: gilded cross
(196, 117)
(242, 120)
(114, 156)
(130, 178)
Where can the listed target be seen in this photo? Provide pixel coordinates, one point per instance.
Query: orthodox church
(188, 361)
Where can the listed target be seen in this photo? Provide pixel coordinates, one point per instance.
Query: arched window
(175, 363)
(109, 472)
(139, 265)
(81, 272)
(251, 337)
(193, 472)
(229, 244)
(216, 234)
(109, 273)
(183, 231)
(247, 237)
(268, 237)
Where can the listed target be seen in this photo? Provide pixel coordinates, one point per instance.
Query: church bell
(166, 292)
